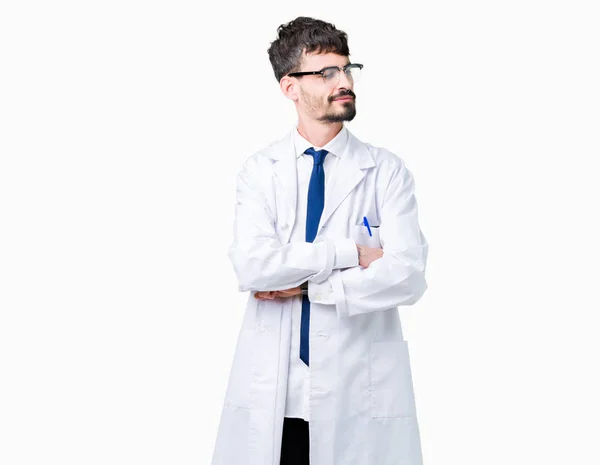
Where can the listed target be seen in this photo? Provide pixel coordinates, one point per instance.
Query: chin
(340, 117)
(346, 113)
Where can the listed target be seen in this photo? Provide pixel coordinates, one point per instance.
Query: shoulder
(264, 159)
(386, 161)
(386, 158)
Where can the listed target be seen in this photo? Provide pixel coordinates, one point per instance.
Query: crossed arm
(366, 255)
(271, 269)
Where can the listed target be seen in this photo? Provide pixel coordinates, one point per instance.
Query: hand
(367, 255)
(270, 295)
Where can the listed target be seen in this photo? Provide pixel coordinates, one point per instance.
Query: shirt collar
(335, 146)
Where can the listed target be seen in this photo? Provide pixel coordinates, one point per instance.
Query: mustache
(343, 93)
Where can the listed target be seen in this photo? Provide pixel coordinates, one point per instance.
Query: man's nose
(345, 81)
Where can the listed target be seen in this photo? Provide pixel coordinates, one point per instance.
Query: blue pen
(367, 225)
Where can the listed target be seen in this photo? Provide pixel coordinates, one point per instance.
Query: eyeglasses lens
(333, 75)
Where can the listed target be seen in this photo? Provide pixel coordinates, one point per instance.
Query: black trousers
(294, 443)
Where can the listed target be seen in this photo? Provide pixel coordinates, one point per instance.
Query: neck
(316, 132)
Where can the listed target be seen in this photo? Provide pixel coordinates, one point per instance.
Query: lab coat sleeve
(398, 277)
(261, 262)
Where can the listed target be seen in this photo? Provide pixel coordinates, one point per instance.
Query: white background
(122, 127)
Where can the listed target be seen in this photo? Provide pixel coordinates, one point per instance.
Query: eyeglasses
(331, 74)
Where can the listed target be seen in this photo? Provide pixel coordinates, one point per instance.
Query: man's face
(326, 102)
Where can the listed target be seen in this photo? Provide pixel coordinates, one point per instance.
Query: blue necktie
(316, 200)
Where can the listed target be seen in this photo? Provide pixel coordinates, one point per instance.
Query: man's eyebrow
(334, 66)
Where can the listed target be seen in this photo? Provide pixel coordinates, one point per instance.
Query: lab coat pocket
(392, 393)
(360, 234)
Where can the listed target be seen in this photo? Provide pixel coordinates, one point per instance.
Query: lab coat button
(318, 297)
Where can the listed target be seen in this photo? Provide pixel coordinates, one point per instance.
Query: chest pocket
(360, 234)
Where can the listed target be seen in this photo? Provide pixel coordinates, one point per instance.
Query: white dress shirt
(298, 375)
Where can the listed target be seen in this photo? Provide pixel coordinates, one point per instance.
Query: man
(327, 241)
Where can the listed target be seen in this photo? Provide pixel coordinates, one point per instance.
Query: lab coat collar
(335, 146)
(354, 150)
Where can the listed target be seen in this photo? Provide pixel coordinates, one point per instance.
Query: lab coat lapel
(286, 185)
(348, 174)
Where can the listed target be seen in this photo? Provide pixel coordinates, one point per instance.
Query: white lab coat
(362, 406)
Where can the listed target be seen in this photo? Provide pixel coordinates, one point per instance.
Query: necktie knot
(318, 155)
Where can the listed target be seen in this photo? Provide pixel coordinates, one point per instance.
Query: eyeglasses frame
(321, 72)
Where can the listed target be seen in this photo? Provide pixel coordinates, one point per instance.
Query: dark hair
(304, 35)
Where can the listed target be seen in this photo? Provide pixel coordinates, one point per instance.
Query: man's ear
(289, 87)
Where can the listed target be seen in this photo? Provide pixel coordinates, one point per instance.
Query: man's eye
(329, 74)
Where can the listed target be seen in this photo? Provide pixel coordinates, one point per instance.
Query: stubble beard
(346, 113)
